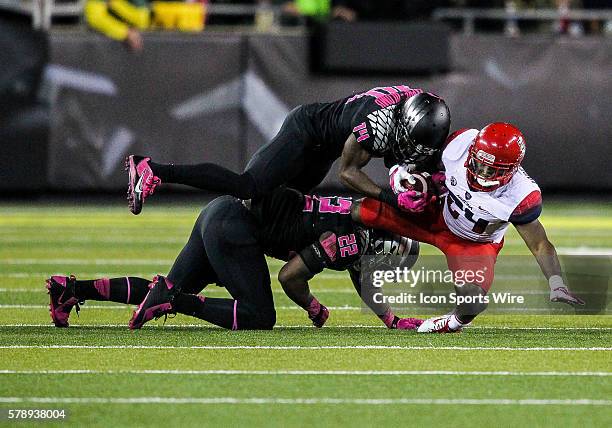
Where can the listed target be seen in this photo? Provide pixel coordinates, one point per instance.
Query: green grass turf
(277, 378)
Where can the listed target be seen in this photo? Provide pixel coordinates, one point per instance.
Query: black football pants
(291, 158)
(223, 249)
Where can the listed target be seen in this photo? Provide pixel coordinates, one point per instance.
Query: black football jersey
(318, 228)
(369, 115)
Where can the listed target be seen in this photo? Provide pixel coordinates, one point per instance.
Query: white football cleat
(563, 295)
(438, 325)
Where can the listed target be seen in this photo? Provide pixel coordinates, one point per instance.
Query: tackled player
(487, 190)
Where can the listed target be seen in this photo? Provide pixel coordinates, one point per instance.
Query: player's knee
(267, 319)
(471, 300)
(285, 275)
(258, 317)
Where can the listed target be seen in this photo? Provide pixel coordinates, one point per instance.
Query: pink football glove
(439, 179)
(412, 201)
(409, 323)
(317, 313)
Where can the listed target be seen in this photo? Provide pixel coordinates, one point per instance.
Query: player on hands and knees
(327, 254)
(487, 191)
(397, 123)
(228, 246)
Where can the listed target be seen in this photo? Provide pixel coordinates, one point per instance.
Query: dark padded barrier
(382, 47)
(24, 120)
(217, 98)
(109, 102)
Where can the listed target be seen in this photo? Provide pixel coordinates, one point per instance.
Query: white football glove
(398, 173)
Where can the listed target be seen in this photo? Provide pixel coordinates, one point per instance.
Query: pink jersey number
(326, 205)
(348, 245)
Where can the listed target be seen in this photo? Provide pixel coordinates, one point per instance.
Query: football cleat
(142, 181)
(563, 295)
(61, 290)
(157, 303)
(320, 318)
(409, 323)
(437, 325)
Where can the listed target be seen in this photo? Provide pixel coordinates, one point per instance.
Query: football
(418, 181)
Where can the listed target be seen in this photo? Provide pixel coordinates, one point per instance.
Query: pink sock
(314, 307)
(103, 287)
(387, 318)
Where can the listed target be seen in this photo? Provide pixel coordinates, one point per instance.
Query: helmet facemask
(386, 250)
(486, 175)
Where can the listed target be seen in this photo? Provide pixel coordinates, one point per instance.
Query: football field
(519, 369)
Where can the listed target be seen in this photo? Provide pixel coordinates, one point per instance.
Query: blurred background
(83, 83)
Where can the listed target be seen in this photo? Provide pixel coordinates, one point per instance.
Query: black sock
(216, 311)
(131, 290)
(207, 176)
(163, 171)
(226, 313)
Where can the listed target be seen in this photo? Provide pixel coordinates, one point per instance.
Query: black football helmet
(421, 127)
(386, 250)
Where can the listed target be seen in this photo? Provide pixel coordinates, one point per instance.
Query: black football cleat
(61, 290)
(157, 302)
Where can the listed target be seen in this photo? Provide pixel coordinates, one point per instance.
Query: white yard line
(356, 326)
(115, 307)
(84, 261)
(546, 310)
(585, 251)
(92, 240)
(509, 260)
(308, 372)
(43, 275)
(308, 401)
(310, 348)
(317, 290)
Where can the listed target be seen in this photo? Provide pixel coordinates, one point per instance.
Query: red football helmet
(495, 155)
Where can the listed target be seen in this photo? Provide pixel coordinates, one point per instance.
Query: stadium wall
(217, 97)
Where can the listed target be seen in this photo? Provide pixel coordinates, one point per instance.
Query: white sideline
(309, 401)
(310, 372)
(310, 348)
(212, 327)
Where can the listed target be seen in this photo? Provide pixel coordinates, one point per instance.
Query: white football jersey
(479, 216)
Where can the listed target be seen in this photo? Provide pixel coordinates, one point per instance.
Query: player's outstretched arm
(544, 251)
(294, 277)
